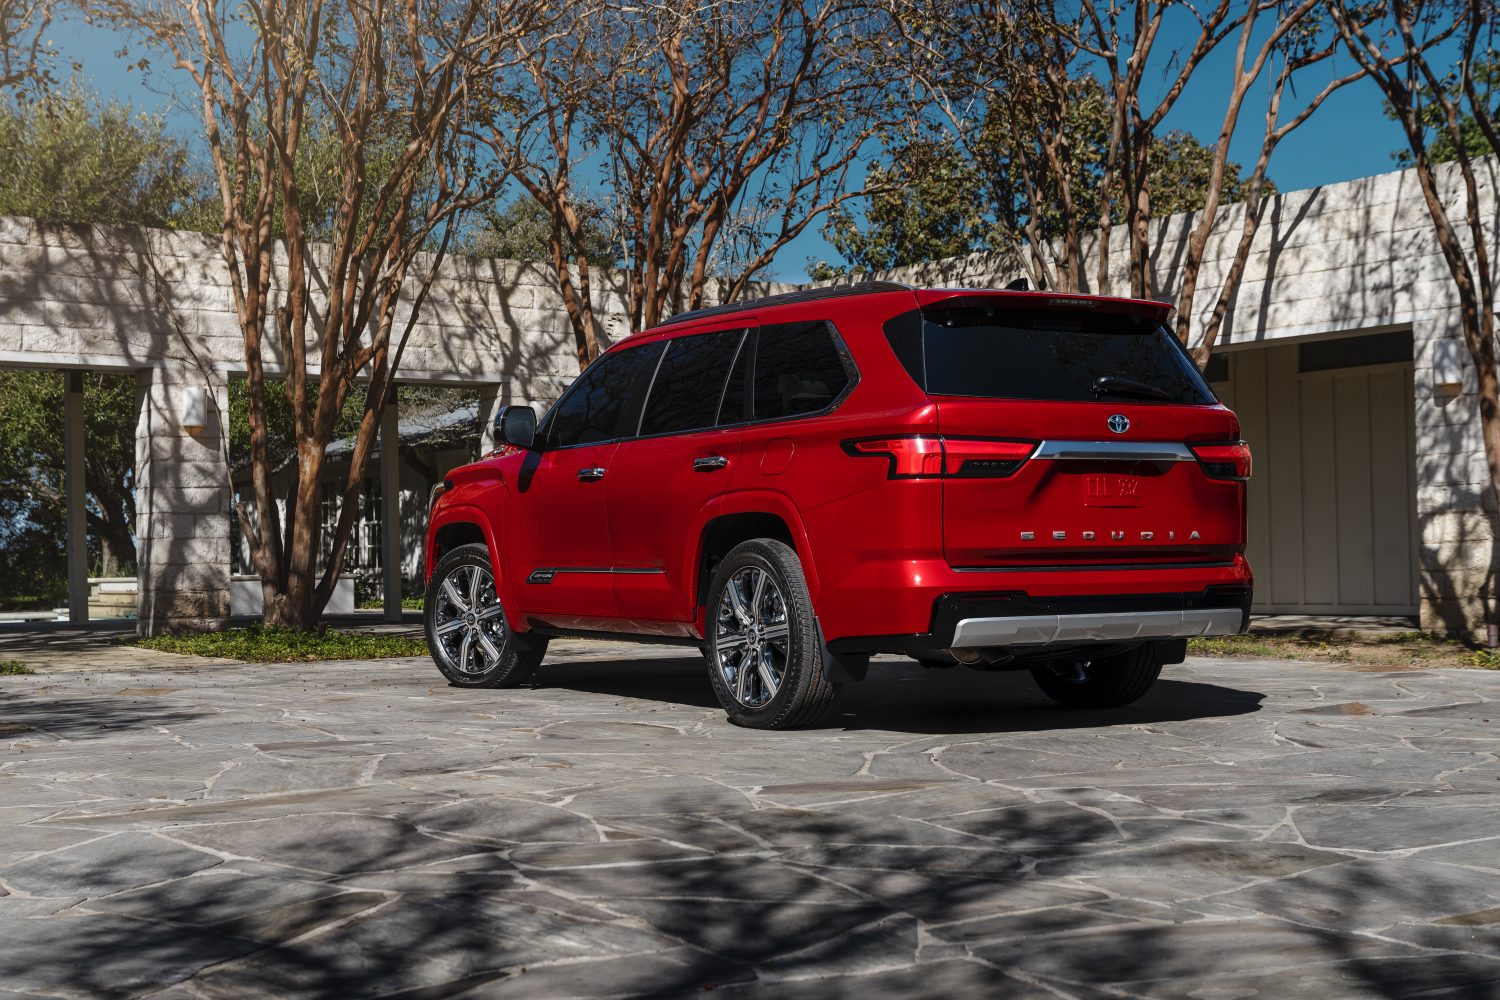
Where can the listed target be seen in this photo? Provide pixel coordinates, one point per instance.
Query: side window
(605, 400)
(797, 370)
(732, 409)
(685, 394)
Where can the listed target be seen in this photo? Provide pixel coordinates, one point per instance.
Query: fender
(757, 502)
(459, 511)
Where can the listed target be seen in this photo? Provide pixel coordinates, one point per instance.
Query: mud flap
(1172, 650)
(845, 669)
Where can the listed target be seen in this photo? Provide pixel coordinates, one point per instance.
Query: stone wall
(1343, 259)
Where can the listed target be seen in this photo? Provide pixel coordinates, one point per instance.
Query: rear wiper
(1119, 385)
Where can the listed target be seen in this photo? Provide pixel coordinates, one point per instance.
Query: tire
(759, 610)
(1111, 682)
(479, 651)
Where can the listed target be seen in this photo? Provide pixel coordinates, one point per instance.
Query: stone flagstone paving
(1249, 830)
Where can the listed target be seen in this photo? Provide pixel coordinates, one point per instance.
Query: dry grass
(1369, 651)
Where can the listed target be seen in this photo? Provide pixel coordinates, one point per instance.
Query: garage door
(1332, 502)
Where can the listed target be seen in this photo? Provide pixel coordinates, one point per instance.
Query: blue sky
(1349, 136)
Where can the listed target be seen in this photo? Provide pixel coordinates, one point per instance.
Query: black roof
(788, 298)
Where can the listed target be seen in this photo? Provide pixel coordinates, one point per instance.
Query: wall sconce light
(194, 409)
(1449, 359)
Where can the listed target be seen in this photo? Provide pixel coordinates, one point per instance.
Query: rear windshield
(1001, 352)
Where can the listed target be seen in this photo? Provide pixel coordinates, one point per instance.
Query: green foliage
(522, 230)
(1440, 145)
(947, 201)
(281, 427)
(1180, 167)
(928, 206)
(11, 667)
(408, 603)
(72, 158)
(33, 507)
(319, 169)
(1485, 659)
(258, 644)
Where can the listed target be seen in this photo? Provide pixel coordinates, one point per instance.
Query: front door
(558, 535)
(557, 538)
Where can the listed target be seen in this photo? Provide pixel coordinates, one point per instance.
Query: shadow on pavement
(83, 718)
(901, 697)
(832, 894)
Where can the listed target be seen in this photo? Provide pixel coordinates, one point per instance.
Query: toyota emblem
(1119, 423)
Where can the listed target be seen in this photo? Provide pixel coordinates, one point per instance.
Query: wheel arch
(739, 518)
(458, 525)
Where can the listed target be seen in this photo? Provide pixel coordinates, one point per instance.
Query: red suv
(1005, 480)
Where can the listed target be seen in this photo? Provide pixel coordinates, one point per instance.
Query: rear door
(1111, 408)
(661, 481)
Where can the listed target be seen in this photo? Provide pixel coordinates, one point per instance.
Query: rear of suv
(1003, 480)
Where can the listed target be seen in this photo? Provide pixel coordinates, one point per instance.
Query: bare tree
(24, 55)
(1398, 48)
(1002, 78)
(391, 89)
(698, 120)
(1123, 37)
(1298, 40)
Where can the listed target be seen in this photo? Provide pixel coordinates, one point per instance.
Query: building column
(390, 509)
(1458, 525)
(182, 502)
(78, 544)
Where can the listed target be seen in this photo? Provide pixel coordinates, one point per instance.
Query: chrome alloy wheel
(752, 639)
(469, 625)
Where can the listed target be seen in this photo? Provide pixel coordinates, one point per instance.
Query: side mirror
(516, 425)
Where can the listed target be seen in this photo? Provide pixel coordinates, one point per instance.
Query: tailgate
(1086, 499)
(1075, 432)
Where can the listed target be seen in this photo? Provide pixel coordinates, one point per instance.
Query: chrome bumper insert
(1046, 630)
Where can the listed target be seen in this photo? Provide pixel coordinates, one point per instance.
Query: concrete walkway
(1249, 830)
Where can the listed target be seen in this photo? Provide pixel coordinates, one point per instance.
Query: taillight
(917, 457)
(910, 457)
(980, 459)
(1224, 461)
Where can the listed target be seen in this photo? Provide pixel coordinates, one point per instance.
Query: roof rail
(787, 298)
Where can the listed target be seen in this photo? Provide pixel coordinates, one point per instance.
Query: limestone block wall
(112, 297)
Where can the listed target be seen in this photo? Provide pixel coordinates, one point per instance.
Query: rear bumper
(1017, 620)
(1045, 630)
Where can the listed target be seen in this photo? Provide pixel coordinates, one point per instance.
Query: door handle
(711, 463)
(591, 475)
